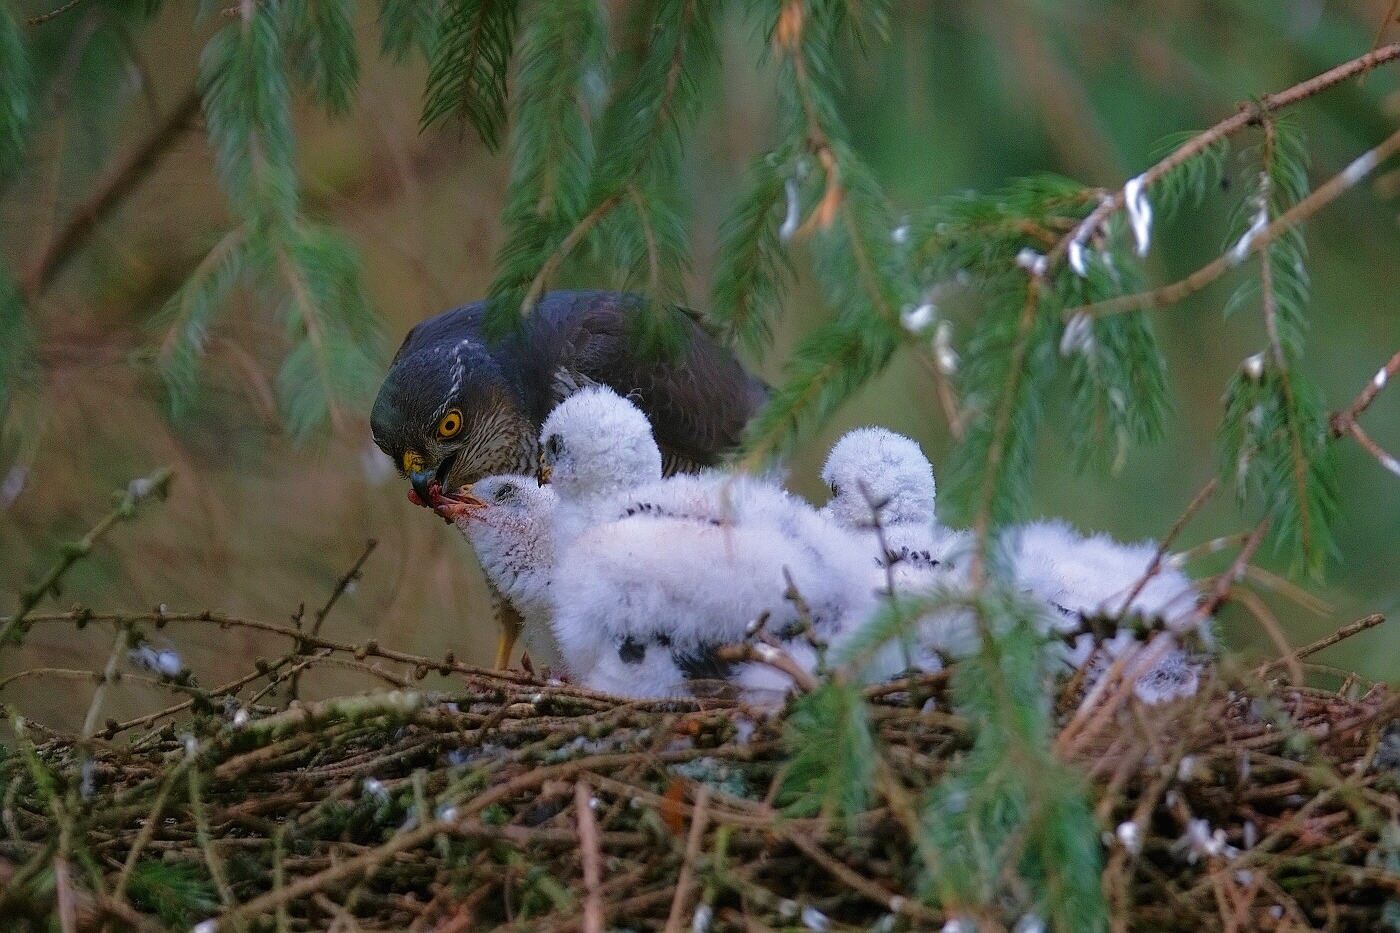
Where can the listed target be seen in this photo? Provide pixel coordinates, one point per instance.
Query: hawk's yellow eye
(450, 424)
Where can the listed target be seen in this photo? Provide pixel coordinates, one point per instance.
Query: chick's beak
(457, 506)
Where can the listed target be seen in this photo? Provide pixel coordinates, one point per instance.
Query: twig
(158, 483)
(109, 674)
(1213, 546)
(111, 190)
(1255, 605)
(765, 652)
(1342, 634)
(561, 252)
(1368, 394)
(1344, 421)
(63, 891)
(592, 861)
(425, 832)
(894, 903)
(148, 829)
(422, 665)
(205, 841)
(685, 884)
(1276, 584)
(1235, 573)
(45, 17)
(350, 576)
(341, 586)
(1156, 566)
(1090, 718)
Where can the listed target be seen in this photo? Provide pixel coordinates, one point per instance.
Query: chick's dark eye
(835, 489)
(554, 446)
(507, 493)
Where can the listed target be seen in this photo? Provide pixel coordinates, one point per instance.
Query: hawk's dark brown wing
(695, 392)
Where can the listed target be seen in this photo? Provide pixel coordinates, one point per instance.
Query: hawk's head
(446, 415)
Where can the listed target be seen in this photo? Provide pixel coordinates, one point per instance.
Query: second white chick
(641, 604)
(595, 446)
(882, 487)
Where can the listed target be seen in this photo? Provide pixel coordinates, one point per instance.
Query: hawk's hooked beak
(424, 477)
(422, 480)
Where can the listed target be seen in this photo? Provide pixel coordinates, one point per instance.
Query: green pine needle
(179, 893)
(333, 362)
(753, 262)
(19, 365)
(185, 322)
(322, 48)
(247, 107)
(833, 753)
(470, 66)
(1275, 450)
(15, 91)
(1008, 806)
(408, 25)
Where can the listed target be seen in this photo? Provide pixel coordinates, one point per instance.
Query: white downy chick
(1086, 576)
(641, 604)
(595, 445)
(874, 473)
(682, 564)
(842, 593)
(882, 486)
(513, 536)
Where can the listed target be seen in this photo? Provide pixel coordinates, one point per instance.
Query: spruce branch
(405, 25)
(640, 134)
(994, 464)
(1324, 194)
(124, 178)
(752, 262)
(470, 65)
(1344, 422)
(15, 89)
(562, 251)
(1247, 115)
(321, 46)
(188, 314)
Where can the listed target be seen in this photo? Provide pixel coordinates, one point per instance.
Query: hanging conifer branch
(1245, 117)
(470, 64)
(1360, 167)
(1344, 421)
(642, 128)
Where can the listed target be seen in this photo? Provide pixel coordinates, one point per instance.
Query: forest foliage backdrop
(964, 96)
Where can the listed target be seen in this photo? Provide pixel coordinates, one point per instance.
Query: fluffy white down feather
(718, 534)
(1094, 575)
(596, 445)
(876, 474)
(513, 536)
(672, 587)
(877, 465)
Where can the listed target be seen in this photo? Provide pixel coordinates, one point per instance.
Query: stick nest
(415, 811)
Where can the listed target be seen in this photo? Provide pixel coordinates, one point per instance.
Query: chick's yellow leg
(511, 623)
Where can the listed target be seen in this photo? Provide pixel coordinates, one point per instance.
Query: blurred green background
(965, 96)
